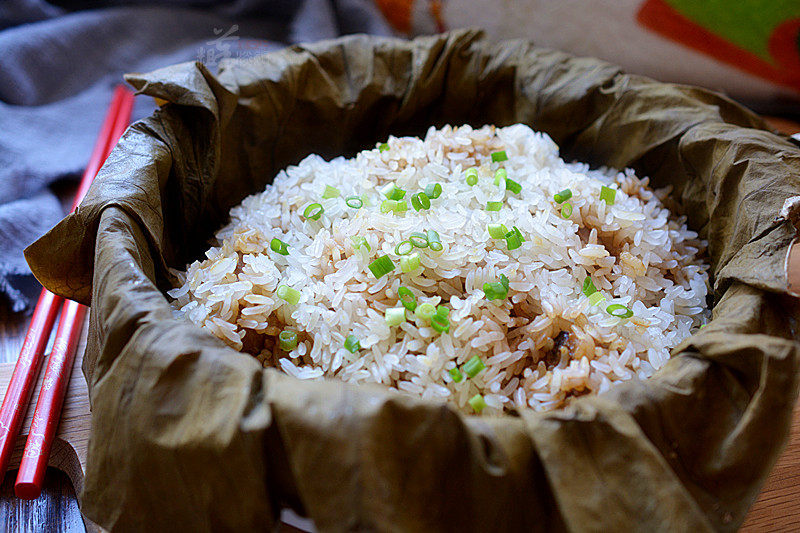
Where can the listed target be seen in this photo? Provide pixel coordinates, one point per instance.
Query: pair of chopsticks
(59, 366)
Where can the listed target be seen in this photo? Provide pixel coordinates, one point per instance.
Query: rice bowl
(592, 288)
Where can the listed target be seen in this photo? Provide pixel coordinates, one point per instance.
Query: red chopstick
(59, 366)
(18, 394)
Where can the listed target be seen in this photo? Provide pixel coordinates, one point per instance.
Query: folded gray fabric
(60, 62)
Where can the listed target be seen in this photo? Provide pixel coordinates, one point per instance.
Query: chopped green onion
(434, 242)
(409, 263)
(440, 324)
(383, 147)
(356, 202)
(456, 375)
(588, 287)
(472, 176)
(314, 211)
(566, 210)
(419, 239)
(499, 156)
(477, 403)
(394, 206)
(596, 297)
(518, 232)
(330, 192)
(494, 206)
(513, 186)
(352, 344)
(474, 366)
(292, 296)
(381, 266)
(287, 340)
(563, 196)
(513, 240)
(420, 201)
(277, 245)
(433, 190)
(395, 316)
(608, 194)
(404, 248)
(442, 311)
(495, 291)
(426, 311)
(393, 192)
(504, 281)
(497, 231)
(500, 175)
(614, 310)
(407, 298)
(359, 241)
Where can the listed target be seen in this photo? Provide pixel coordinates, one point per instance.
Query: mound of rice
(544, 343)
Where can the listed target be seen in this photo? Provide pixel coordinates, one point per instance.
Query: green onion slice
(497, 157)
(409, 263)
(518, 233)
(277, 245)
(420, 201)
(500, 175)
(513, 240)
(330, 192)
(314, 211)
(619, 311)
(596, 297)
(588, 287)
(494, 206)
(356, 202)
(513, 186)
(404, 248)
(290, 295)
(287, 340)
(504, 281)
(426, 311)
(497, 231)
(440, 324)
(566, 210)
(477, 403)
(563, 196)
(433, 241)
(442, 311)
(381, 266)
(608, 194)
(352, 344)
(407, 298)
(456, 375)
(396, 206)
(433, 190)
(359, 241)
(395, 316)
(383, 147)
(495, 291)
(472, 176)
(474, 366)
(393, 192)
(419, 239)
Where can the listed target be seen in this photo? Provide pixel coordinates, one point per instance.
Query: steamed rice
(544, 343)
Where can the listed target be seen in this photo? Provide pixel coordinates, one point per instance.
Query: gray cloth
(60, 62)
